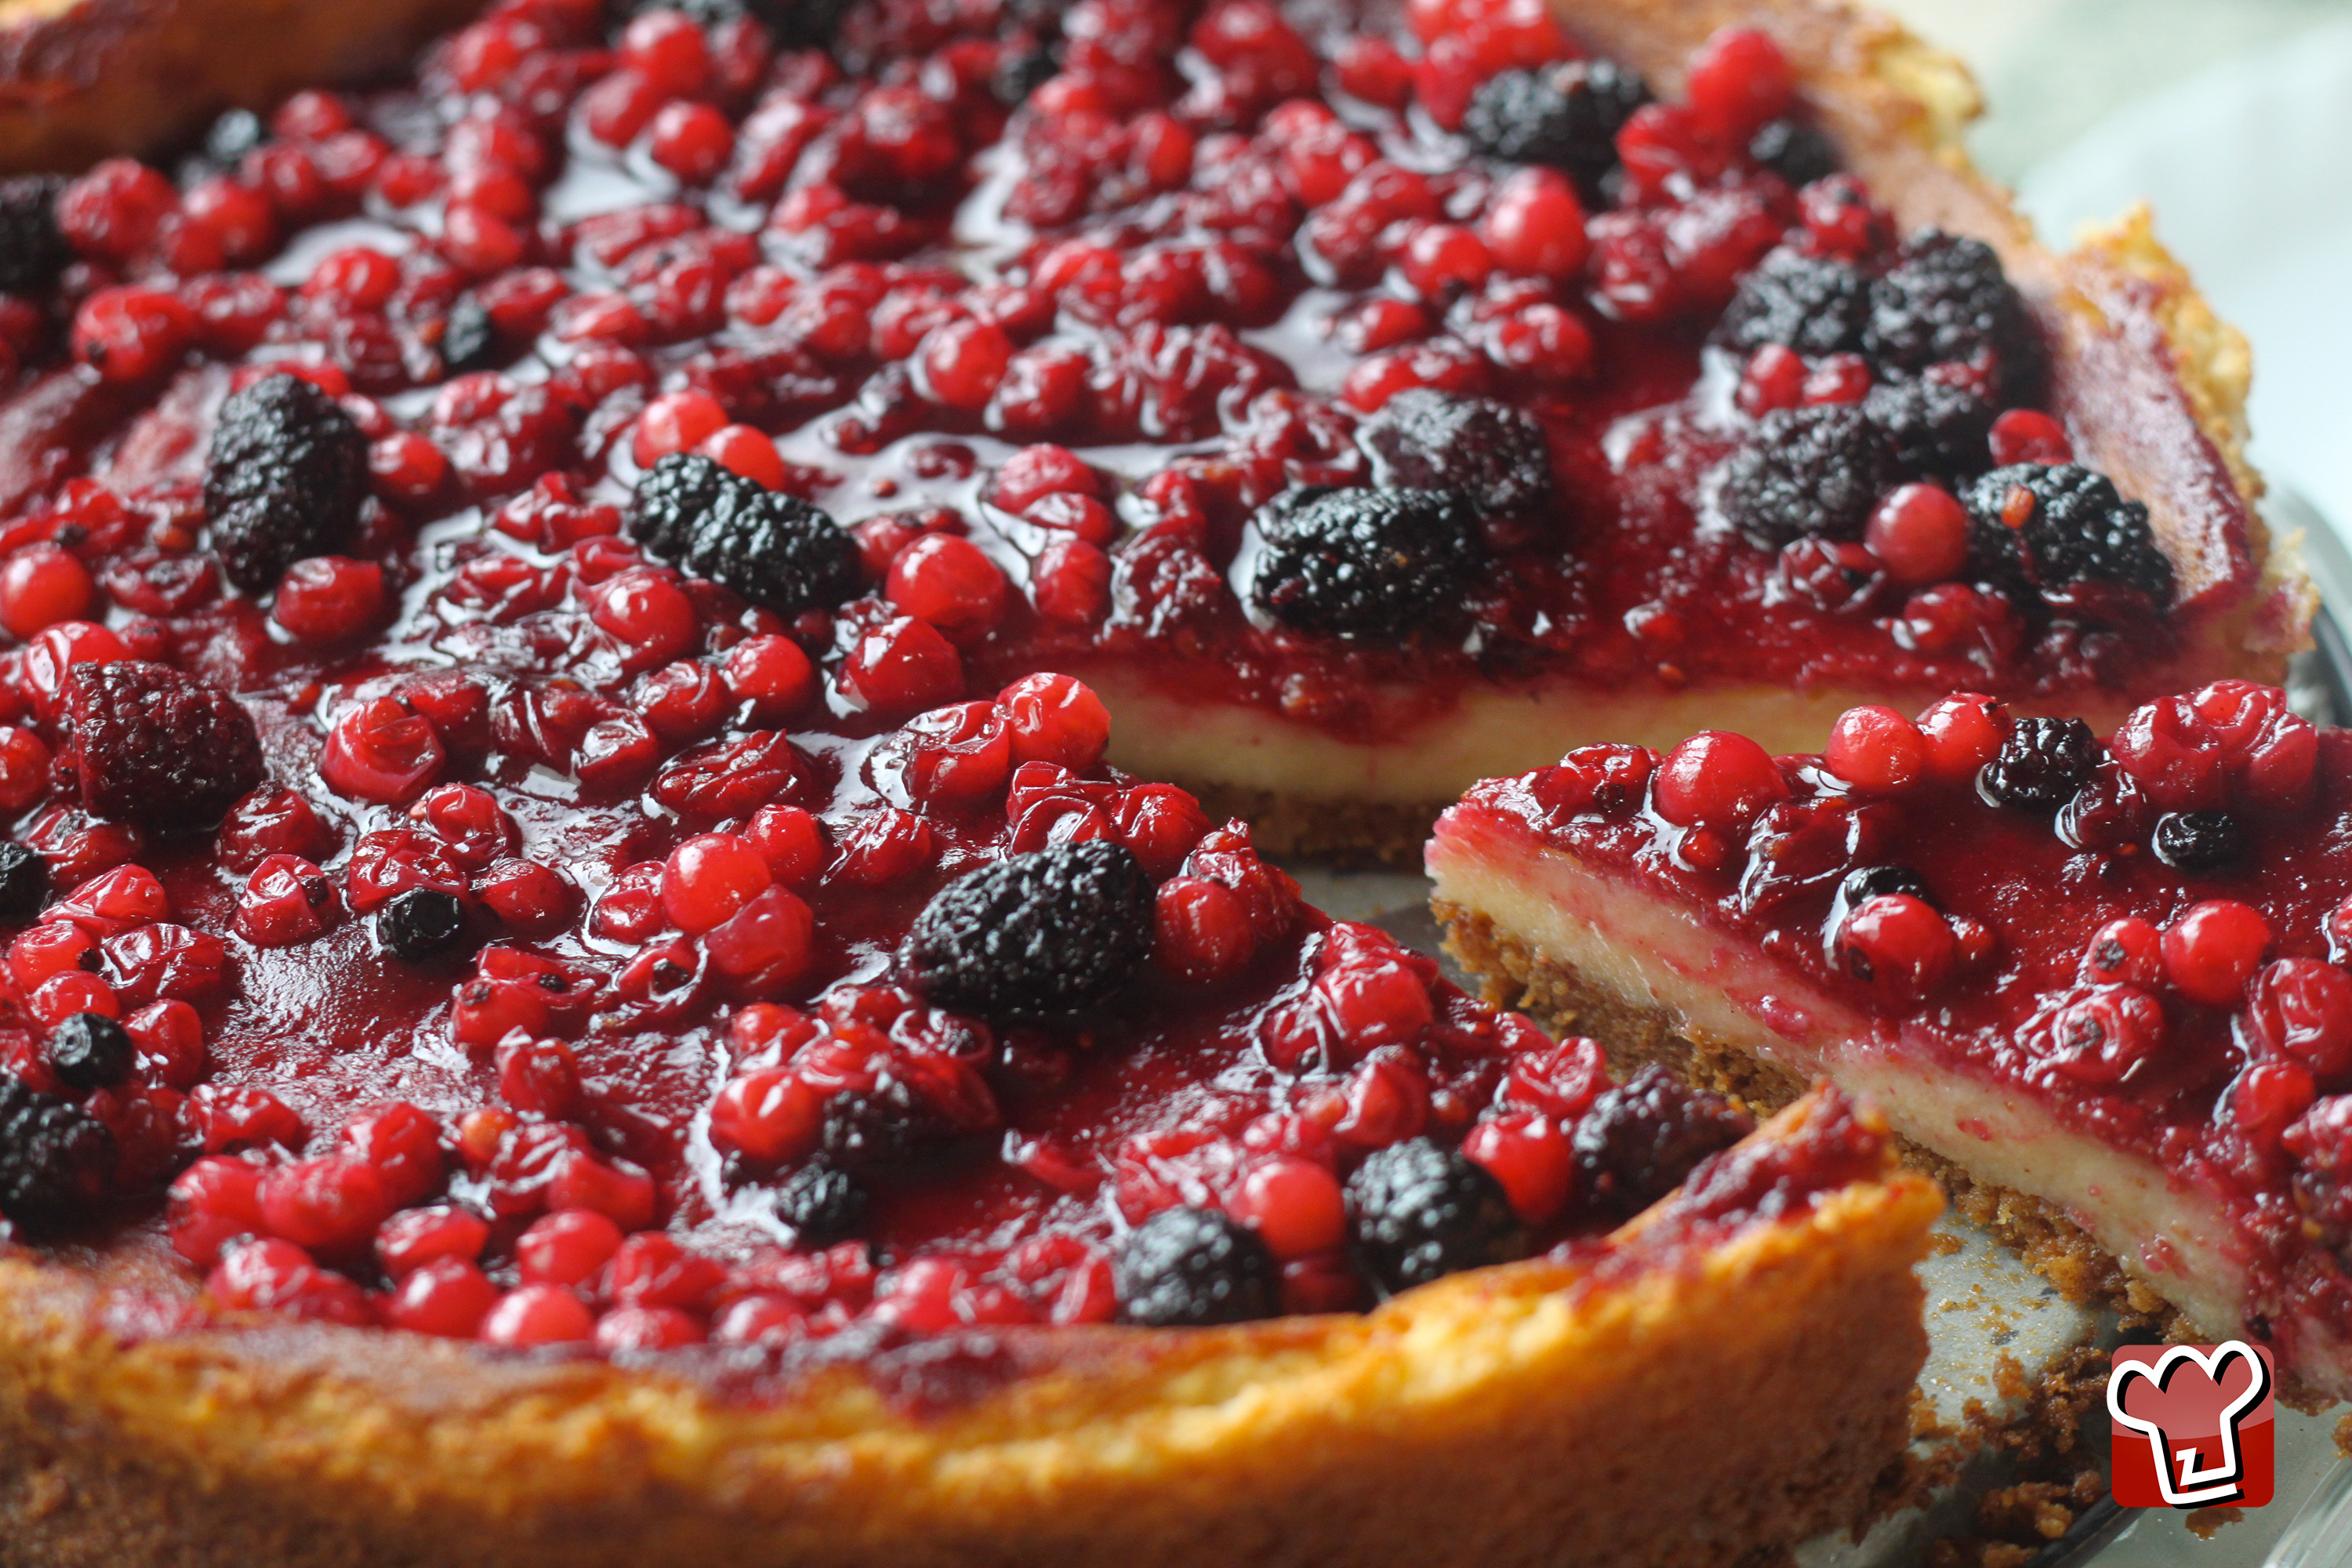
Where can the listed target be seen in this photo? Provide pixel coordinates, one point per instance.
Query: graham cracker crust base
(1348, 833)
(1513, 975)
(2057, 1473)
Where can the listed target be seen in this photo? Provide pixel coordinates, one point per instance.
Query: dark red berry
(153, 746)
(2040, 765)
(1419, 1211)
(1042, 932)
(285, 477)
(1192, 1267)
(1642, 1137)
(1809, 470)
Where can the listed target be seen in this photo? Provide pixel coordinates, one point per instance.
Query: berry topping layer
(1321, 368)
(2110, 974)
(747, 1035)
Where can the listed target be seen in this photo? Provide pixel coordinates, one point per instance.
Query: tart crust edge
(1312, 1439)
(87, 79)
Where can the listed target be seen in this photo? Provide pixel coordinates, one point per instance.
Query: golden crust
(81, 80)
(1792, 1345)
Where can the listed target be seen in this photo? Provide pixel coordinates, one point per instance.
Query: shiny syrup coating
(2196, 1018)
(539, 268)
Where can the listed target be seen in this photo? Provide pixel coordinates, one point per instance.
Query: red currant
(2213, 948)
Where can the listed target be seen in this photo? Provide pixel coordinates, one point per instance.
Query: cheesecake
(2095, 982)
(862, 1141)
(1362, 407)
(577, 985)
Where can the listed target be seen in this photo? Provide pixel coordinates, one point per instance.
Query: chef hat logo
(2188, 1404)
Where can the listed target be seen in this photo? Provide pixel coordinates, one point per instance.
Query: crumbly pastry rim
(81, 79)
(1308, 1440)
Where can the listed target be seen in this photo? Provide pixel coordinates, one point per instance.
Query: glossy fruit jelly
(725, 1097)
(2151, 951)
(885, 291)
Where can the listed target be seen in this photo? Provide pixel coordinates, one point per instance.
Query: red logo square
(2194, 1425)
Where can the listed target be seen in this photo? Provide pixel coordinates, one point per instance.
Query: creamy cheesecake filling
(1486, 731)
(2165, 1233)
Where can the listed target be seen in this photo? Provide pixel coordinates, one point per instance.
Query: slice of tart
(1361, 407)
(2096, 985)
(1687, 420)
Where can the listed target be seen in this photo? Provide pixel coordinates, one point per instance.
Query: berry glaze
(1204, 254)
(707, 1099)
(491, 858)
(2144, 937)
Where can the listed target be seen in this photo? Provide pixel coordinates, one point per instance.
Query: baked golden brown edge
(81, 79)
(1680, 1405)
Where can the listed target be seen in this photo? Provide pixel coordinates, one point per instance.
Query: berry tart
(570, 990)
(2099, 987)
(1361, 408)
(448, 1117)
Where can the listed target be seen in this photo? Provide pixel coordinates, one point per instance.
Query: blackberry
(152, 745)
(1796, 149)
(775, 550)
(672, 494)
(797, 24)
(1642, 1137)
(887, 1127)
(1864, 883)
(1352, 562)
(1814, 471)
(23, 881)
(2199, 840)
(1945, 298)
(1492, 453)
(1020, 73)
(2040, 765)
(469, 340)
(2050, 525)
(419, 923)
(92, 1051)
(1933, 428)
(285, 479)
(823, 1203)
(1419, 1211)
(1565, 116)
(1814, 304)
(33, 250)
(1190, 1269)
(55, 1159)
(1040, 933)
